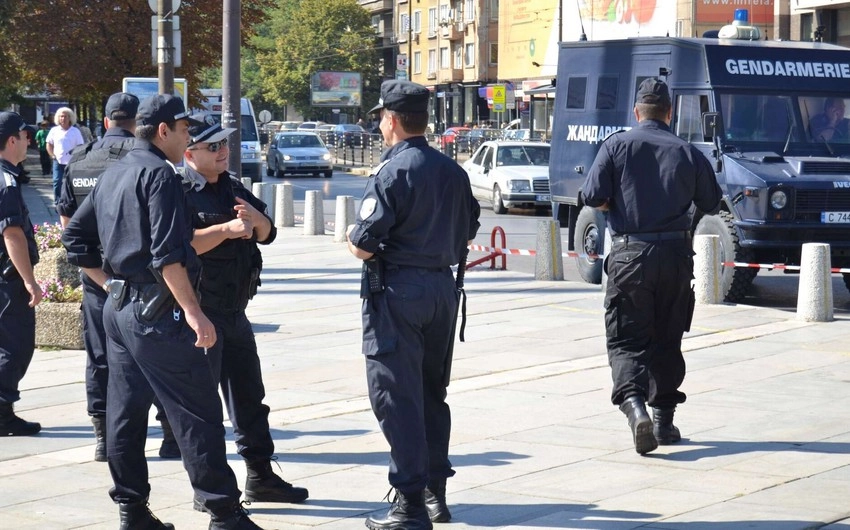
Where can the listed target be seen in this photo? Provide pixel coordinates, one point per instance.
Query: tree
(98, 42)
(313, 36)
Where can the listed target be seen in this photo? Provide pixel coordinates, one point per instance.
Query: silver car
(298, 152)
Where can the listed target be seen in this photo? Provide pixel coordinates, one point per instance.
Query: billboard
(721, 12)
(335, 89)
(143, 87)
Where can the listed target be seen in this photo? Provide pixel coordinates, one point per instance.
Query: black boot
(99, 423)
(234, 519)
(12, 425)
(137, 516)
(635, 409)
(263, 485)
(434, 497)
(407, 512)
(662, 426)
(169, 447)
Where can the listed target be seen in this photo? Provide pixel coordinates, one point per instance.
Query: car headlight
(778, 200)
(519, 186)
(287, 158)
(326, 156)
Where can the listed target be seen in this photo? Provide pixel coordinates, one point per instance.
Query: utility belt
(154, 299)
(653, 237)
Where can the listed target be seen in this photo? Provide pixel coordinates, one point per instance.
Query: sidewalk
(536, 442)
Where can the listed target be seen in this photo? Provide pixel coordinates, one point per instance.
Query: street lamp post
(231, 82)
(165, 47)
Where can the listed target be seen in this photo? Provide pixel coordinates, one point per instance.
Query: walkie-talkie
(372, 278)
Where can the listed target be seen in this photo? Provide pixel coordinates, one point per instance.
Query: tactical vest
(88, 164)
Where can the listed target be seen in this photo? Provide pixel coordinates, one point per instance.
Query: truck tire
(735, 282)
(590, 239)
(269, 170)
(498, 205)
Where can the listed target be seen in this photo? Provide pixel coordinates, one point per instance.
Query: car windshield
(294, 140)
(776, 118)
(523, 155)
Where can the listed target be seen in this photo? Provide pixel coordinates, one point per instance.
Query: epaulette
(10, 179)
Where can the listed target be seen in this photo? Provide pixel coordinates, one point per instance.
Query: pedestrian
(156, 331)
(19, 292)
(41, 143)
(416, 219)
(646, 179)
(229, 223)
(61, 139)
(81, 175)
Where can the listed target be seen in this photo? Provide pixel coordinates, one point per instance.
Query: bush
(56, 291)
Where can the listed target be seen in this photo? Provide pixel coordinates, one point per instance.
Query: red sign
(723, 11)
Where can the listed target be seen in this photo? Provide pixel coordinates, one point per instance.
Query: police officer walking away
(155, 328)
(81, 174)
(647, 178)
(415, 221)
(19, 292)
(228, 223)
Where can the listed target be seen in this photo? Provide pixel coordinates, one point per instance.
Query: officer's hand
(240, 228)
(244, 210)
(203, 328)
(35, 293)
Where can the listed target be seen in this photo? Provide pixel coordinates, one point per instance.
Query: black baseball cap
(12, 123)
(121, 106)
(163, 108)
(403, 96)
(208, 130)
(653, 92)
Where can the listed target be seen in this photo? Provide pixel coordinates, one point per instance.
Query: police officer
(81, 174)
(647, 178)
(228, 223)
(19, 292)
(155, 328)
(415, 221)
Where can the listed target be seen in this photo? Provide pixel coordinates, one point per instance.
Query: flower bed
(58, 319)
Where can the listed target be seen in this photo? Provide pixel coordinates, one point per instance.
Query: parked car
(298, 152)
(449, 135)
(519, 134)
(326, 133)
(470, 141)
(310, 125)
(350, 134)
(510, 174)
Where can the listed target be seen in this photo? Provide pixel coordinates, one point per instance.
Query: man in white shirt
(60, 141)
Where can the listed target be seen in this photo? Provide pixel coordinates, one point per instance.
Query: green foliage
(313, 36)
(48, 236)
(58, 292)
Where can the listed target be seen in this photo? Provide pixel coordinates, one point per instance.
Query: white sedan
(510, 174)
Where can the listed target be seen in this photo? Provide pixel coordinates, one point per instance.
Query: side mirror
(710, 125)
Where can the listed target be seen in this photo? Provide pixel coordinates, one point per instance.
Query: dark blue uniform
(17, 319)
(650, 178)
(137, 213)
(417, 215)
(94, 297)
(231, 274)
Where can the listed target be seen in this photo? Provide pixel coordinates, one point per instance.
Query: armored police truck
(769, 116)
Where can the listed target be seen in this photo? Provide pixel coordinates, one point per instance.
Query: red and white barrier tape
(301, 218)
(523, 252)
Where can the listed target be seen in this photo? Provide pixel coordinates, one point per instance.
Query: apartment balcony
(376, 6)
(451, 31)
(451, 75)
(432, 75)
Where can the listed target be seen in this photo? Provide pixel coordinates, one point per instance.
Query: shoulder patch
(367, 207)
(10, 180)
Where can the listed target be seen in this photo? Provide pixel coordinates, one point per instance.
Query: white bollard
(257, 190)
(707, 270)
(548, 265)
(284, 209)
(268, 198)
(314, 219)
(814, 299)
(246, 181)
(344, 217)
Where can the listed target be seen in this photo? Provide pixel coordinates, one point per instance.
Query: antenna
(582, 37)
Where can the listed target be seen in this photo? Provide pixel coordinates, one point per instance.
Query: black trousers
(46, 163)
(94, 338)
(649, 304)
(406, 333)
(17, 337)
(160, 358)
(234, 361)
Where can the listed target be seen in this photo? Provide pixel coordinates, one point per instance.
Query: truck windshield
(769, 118)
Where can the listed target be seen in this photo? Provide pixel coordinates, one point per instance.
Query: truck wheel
(498, 205)
(329, 173)
(734, 281)
(589, 239)
(846, 278)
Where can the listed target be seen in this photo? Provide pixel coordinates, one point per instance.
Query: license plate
(835, 217)
(546, 198)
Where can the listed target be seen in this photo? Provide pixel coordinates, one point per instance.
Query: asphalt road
(773, 289)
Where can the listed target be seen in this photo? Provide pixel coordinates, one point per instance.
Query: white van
(252, 163)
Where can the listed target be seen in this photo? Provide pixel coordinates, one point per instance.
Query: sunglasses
(213, 147)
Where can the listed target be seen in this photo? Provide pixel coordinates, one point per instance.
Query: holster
(7, 268)
(117, 292)
(372, 277)
(154, 300)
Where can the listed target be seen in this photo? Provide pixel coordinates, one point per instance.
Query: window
(469, 55)
(688, 123)
(376, 23)
(469, 10)
(417, 22)
(404, 25)
(444, 57)
(444, 13)
(432, 22)
(494, 53)
(606, 93)
(494, 9)
(457, 51)
(576, 89)
(432, 62)
(417, 62)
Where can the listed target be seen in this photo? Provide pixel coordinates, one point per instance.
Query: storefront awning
(543, 89)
